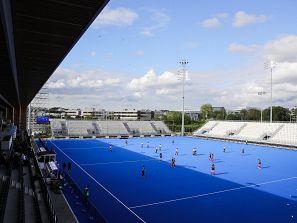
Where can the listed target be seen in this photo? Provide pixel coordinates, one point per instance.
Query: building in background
(133, 115)
(57, 112)
(93, 113)
(73, 113)
(194, 115)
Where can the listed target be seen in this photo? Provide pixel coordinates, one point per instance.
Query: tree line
(173, 119)
(249, 114)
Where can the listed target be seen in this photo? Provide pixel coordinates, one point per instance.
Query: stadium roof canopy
(35, 37)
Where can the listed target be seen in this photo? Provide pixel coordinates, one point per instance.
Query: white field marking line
(100, 185)
(128, 161)
(70, 208)
(74, 148)
(212, 193)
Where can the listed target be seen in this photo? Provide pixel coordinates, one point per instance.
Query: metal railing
(45, 192)
(35, 200)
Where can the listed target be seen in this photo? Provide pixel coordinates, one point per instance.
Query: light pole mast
(183, 63)
(271, 92)
(261, 93)
(270, 66)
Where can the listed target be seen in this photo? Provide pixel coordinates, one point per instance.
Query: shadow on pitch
(247, 154)
(183, 154)
(191, 167)
(199, 154)
(221, 173)
(253, 184)
(218, 161)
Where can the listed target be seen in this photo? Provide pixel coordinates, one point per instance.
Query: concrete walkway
(12, 205)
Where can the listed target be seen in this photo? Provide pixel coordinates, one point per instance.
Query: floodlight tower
(38, 107)
(270, 66)
(183, 63)
(261, 93)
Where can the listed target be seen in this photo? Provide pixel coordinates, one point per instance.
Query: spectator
(142, 170)
(86, 195)
(69, 167)
(64, 167)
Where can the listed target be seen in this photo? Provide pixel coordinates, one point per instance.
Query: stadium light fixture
(270, 66)
(261, 93)
(293, 114)
(183, 63)
(106, 116)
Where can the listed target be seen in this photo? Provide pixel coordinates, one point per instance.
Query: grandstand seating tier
(270, 133)
(92, 128)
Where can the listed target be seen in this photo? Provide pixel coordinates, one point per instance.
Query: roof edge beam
(4, 99)
(6, 17)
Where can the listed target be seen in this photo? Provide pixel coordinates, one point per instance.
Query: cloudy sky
(129, 57)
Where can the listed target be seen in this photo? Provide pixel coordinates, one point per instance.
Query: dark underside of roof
(43, 33)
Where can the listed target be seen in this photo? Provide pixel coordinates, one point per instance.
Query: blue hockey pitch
(238, 192)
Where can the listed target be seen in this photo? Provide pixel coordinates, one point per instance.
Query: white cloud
(243, 49)
(222, 15)
(160, 21)
(151, 81)
(138, 94)
(70, 88)
(215, 21)
(210, 23)
(245, 94)
(242, 19)
(57, 84)
(119, 17)
(73, 82)
(69, 79)
(112, 81)
(285, 73)
(164, 91)
(238, 87)
(108, 99)
(139, 53)
(91, 84)
(93, 53)
(283, 49)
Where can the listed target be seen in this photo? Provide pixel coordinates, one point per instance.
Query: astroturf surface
(238, 192)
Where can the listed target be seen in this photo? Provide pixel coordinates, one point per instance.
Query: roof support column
(6, 18)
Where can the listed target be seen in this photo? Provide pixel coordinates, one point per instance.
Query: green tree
(253, 114)
(243, 114)
(176, 117)
(233, 116)
(278, 114)
(293, 114)
(266, 114)
(206, 111)
(220, 115)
